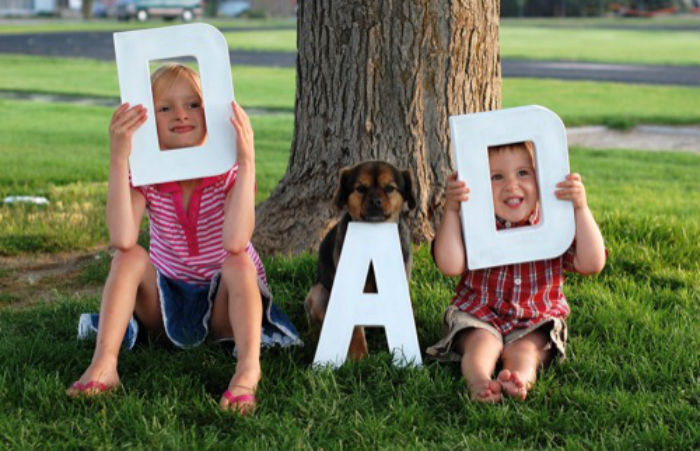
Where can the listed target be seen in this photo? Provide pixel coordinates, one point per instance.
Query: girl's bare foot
(99, 378)
(240, 395)
(487, 391)
(512, 384)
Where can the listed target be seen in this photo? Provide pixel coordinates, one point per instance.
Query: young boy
(515, 313)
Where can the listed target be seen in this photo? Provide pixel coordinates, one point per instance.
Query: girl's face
(514, 184)
(179, 116)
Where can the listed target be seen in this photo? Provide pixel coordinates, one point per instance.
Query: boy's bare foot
(487, 391)
(98, 379)
(240, 395)
(512, 384)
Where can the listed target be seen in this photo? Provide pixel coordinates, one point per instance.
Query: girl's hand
(125, 121)
(572, 189)
(457, 192)
(245, 142)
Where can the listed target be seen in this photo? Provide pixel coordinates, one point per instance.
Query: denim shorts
(186, 310)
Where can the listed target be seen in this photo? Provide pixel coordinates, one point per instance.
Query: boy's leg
(237, 312)
(521, 360)
(131, 284)
(480, 352)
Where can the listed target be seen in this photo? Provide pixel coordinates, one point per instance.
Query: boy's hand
(457, 192)
(245, 142)
(125, 121)
(572, 189)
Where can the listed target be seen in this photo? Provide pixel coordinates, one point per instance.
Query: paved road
(99, 45)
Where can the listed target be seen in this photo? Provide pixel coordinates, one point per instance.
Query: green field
(599, 45)
(630, 381)
(577, 102)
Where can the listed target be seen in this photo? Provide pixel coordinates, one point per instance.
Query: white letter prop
(472, 134)
(134, 50)
(349, 306)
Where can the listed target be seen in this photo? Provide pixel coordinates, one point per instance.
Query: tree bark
(378, 79)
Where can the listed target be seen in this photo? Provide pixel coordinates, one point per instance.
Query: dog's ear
(408, 195)
(347, 178)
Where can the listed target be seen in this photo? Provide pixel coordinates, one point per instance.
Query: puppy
(372, 191)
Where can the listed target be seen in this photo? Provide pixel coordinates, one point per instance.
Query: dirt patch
(30, 279)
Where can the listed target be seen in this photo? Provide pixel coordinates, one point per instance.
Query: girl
(201, 272)
(515, 313)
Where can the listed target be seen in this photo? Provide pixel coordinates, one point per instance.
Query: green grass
(255, 87)
(267, 41)
(539, 43)
(609, 46)
(630, 381)
(614, 104)
(577, 102)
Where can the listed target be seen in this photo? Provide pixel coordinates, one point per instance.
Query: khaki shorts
(455, 321)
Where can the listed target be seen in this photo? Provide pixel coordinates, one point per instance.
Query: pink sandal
(240, 401)
(81, 389)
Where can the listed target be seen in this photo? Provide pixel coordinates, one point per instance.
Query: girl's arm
(448, 247)
(589, 257)
(239, 211)
(125, 205)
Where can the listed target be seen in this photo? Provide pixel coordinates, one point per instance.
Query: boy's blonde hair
(524, 145)
(167, 74)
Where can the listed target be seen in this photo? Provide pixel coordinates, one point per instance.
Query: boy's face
(179, 116)
(513, 183)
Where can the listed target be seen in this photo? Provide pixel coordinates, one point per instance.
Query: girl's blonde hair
(167, 74)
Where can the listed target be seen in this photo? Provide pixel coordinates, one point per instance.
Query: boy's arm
(589, 256)
(448, 247)
(239, 211)
(125, 206)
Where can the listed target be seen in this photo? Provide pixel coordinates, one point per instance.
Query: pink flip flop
(83, 388)
(240, 400)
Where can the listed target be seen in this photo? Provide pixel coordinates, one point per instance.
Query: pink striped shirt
(188, 245)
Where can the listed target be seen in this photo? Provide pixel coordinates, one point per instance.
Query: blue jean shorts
(186, 310)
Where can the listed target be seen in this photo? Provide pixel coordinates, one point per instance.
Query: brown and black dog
(372, 191)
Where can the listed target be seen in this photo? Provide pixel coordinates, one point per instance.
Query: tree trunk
(378, 79)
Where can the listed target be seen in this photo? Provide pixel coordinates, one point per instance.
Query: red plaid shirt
(519, 295)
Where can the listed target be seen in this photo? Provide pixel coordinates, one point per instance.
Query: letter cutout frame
(390, 307)
(472, 134)
(134, 50)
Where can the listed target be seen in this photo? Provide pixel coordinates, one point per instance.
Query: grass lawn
(543, 43)
(577, 102)
(609, 46)
(630, 381)
(255, 87)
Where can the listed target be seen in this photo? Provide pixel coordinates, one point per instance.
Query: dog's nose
(377, 202)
